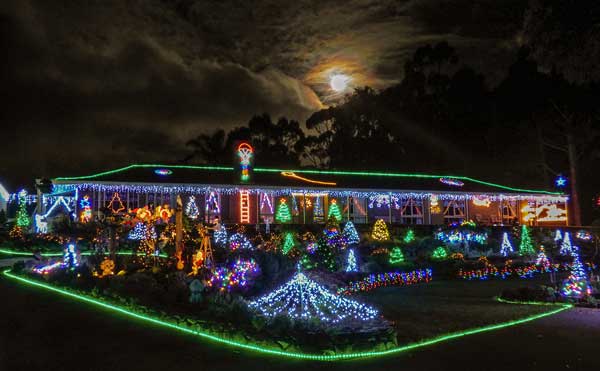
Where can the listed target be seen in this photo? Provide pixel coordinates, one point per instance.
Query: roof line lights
(313, 171)
(291, 174)
(288, 354)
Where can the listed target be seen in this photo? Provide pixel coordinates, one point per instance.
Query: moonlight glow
(339, 83)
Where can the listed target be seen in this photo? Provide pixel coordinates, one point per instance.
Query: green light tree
(439, 253)
(22, 215)
(526, 246)
(410, 236)
(288, 243)
(283, 214)
(396, 256)
(334, 211)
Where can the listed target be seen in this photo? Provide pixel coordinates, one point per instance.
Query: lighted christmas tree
(221, 236)
(506, 247)
(288, 243)
(526, 246)
(439, 253)
(191, 209)
(351, 263)
(542, 259)
(576, 285)
(380, 231)
(283, 212)
(565, 247)
(303, 299)
(334, 211)
(350, 233)
(410, 236)
(141, 232)
(396, 256)
(22, 215)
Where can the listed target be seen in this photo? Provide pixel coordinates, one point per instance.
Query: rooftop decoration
(303, 299)
(560, 181)
(291, 174)
(245, 152)
(163, 172)
(452, 182)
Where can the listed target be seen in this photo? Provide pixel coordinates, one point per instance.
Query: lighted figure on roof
(560, 181)
(452, 182)
(245, 152)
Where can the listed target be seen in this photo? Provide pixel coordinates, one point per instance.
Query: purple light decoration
(452, 182)
(163, 172)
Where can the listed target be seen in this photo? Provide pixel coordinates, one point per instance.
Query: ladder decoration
(244, 207)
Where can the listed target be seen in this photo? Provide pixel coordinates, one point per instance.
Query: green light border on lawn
(311, 171)
(49, 254)
(298, 355)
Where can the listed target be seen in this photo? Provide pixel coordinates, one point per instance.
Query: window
(411, 211)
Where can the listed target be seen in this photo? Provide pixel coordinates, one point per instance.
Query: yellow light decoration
(108, 267)
(380, 231)
(197, 262)
(293, 175)
(163, 212)
(143, 213)
(482, 201)
(543, 213)
(434, 204)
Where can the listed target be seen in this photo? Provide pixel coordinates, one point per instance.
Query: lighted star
(339, 82)
(561, 181)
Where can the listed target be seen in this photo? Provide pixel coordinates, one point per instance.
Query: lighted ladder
(244, 207)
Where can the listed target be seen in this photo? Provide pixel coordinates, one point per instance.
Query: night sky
(100, 84)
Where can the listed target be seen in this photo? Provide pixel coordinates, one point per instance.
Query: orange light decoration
(163, 212)
(434, 204)
(143, 213)
(116, 205)
(482, 201)
(291, 174)
(244, 206)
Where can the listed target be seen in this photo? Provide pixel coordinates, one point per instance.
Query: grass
(440, 307)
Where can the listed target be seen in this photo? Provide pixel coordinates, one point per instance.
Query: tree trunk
(572, 152)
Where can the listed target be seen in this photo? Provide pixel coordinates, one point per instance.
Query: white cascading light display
(303, 299)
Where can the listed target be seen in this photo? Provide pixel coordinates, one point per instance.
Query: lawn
(440, 307)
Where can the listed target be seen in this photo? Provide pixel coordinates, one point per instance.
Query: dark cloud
(105, 83)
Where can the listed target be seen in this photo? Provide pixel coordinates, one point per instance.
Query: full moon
(339, 83)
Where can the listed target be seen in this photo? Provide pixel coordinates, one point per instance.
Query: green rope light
(299, 355)
(311, 171)
(49, 254)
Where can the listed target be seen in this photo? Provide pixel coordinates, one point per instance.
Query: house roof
(190, 174)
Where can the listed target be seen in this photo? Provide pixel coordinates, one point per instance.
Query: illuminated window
(411, 211)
